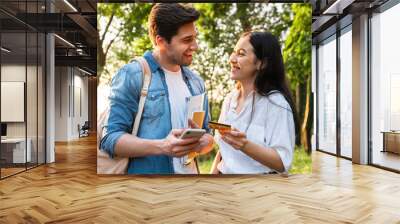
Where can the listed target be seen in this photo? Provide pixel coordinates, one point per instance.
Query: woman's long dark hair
(271, 76)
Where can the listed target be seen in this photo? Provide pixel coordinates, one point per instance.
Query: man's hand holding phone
(206, 142)
(176, 146)
(181, 142)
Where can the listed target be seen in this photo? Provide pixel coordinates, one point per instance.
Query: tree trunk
(101, 60)
(210, 90)
(101, 54)
(306, 124)
(297, 100)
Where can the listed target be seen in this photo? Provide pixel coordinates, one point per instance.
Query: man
(157, 149)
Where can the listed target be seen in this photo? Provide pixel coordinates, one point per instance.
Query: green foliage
(208, 23)
(302, 163)
(297, 53)
(205, 161)
(135, 27)
(220, 26)
(107, 10)
(127, 34)
(297, 57)
(205, 166)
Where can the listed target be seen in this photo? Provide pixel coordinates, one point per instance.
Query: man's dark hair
(165, 19)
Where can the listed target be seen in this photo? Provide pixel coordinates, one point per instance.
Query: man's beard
(179, 61)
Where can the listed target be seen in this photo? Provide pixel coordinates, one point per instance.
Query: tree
(124, 24)
(297, 56)
(220, 26)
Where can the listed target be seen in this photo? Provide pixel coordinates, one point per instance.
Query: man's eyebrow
(190, 36)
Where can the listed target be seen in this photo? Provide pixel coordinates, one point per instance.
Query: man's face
(182, 46)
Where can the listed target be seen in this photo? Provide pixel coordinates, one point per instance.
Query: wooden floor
(387, 159)
(5, 172)
(10, 171)
(69, 191)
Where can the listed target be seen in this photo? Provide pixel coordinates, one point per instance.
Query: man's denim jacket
(156, 118)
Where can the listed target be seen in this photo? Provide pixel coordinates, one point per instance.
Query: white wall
(80, 100)
(61, 103)
(71, 87)
(14, 73)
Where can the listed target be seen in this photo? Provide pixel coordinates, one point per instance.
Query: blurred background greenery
(301, 162)
(123, 35)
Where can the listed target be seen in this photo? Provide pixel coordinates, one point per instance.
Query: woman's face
(244, 62)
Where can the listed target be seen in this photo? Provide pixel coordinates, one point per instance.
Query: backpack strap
(143, 94)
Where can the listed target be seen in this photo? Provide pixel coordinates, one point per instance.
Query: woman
(260, 111)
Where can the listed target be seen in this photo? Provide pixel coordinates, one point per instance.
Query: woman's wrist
(245, 145)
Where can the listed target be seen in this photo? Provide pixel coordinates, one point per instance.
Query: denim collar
(154, 66)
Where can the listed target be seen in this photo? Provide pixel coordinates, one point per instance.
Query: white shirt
(178, 91)
(272, 126)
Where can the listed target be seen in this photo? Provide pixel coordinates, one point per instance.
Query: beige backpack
(119, 165)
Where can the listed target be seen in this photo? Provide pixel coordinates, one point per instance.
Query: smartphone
(192, 133)
(219, 126)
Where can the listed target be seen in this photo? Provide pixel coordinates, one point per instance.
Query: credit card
(219, 126)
